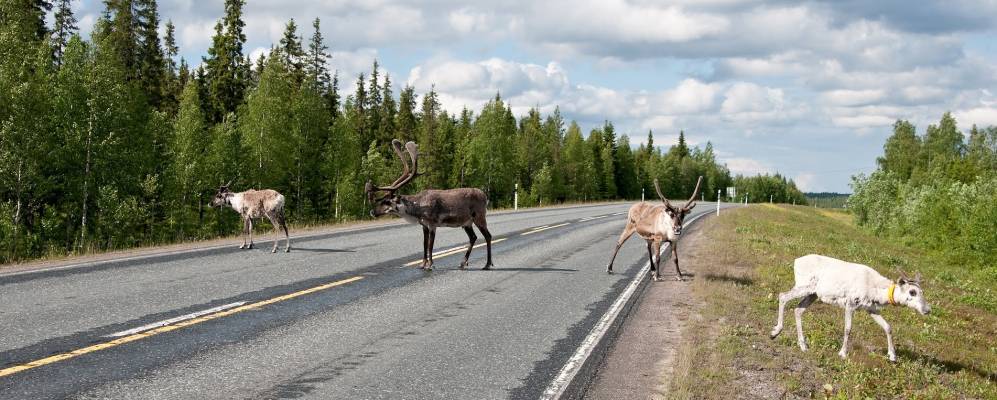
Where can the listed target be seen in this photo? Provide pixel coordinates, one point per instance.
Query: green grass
(949, 354)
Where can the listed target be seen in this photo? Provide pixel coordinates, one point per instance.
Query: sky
(807, 89)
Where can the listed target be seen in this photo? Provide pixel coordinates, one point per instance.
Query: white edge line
(556, 388)
(174, 320)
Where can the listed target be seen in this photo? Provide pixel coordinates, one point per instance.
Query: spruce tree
(64, 28)
(386, 126)
(291, 51)
(227, 70)
(405, 119)
(152, 66)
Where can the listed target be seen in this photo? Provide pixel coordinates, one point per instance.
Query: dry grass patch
(950, 354)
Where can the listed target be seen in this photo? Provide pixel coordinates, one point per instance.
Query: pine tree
(64, 28)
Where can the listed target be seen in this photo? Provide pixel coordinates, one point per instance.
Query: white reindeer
(255, 204)
(850, 286)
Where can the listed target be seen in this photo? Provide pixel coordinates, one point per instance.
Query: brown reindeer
(432, 208)
(255, 204)
(656, 223)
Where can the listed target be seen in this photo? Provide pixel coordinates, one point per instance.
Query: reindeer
(852, 287)
(432, 208)
(656, 223)
(255, 204)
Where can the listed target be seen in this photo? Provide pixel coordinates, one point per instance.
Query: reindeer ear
(917, 277)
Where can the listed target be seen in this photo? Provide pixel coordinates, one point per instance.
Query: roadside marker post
(515, 198)
(718, 201)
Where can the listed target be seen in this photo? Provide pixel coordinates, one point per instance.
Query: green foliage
(942, 201)
(109, 142)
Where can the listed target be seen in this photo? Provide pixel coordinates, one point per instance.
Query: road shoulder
(642, 357)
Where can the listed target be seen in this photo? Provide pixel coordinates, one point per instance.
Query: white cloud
(981, 116)
(806, 182)
(747, 166)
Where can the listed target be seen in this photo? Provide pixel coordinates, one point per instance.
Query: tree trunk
(86, 179)
(17, 210)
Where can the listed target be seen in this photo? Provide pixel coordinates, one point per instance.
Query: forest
(115, 141)
(935, 190)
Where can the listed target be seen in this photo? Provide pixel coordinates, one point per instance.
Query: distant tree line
(827, 199)
(936, 190)
(115, 141)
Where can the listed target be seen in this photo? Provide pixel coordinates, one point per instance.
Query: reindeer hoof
(487, 267)
(287, 250)
(463, 265)
(609, 270)
(273, 250)
(242, 247)
(893, 358)
(679, 278)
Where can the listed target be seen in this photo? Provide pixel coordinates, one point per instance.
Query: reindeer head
(221, 198)
(677, 214)
(908, 292)
(390, 203)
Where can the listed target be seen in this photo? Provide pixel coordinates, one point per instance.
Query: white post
(718, 201)
(641, 194)
(515, 198)
(770, 199)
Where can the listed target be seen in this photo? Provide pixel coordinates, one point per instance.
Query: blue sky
(809, 89)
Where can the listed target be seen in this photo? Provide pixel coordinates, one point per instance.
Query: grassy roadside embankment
(949, 354)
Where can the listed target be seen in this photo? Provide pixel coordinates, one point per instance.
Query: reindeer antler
(694, 193)
(663, 198)
(407, 174)
(396, 145)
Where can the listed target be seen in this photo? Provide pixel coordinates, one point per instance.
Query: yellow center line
(163, 329)
(544, 228)
(450, 252)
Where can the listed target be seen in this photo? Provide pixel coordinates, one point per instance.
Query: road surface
(344, 315)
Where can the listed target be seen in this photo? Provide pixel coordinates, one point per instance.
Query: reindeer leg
(889, 337)
(843, 353)
(627, 233)
(471, 237)
(651, 251)
(432, 238)
(250, 221)
(675, 256)
(483, 227)
(245, 227)
(425, 246)
(283, 225)
(276, 231)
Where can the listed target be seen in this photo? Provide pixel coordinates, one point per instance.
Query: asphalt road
(341, 316)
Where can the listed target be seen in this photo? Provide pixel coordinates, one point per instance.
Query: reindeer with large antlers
(656, 223)
(432, 208)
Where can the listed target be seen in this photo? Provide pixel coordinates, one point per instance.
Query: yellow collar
(893, 286)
